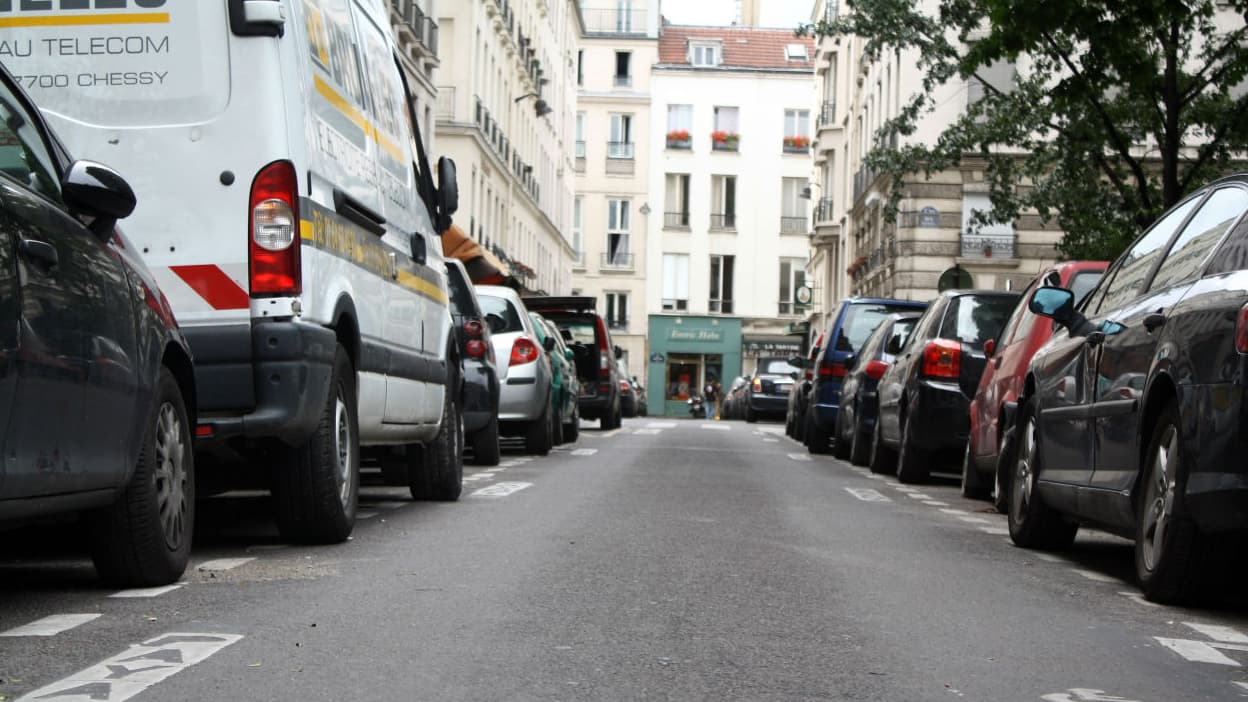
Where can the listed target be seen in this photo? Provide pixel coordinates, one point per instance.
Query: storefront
(756, 346)
(686, 353)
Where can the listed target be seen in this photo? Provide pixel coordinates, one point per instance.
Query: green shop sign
(695, 335)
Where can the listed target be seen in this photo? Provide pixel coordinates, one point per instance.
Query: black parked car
(97, 390)
(596, 355)
(925, 395)
(799, 394)
(767, 392)
(733, 402)
(855, 422)
(480, 388)
(1134, 413)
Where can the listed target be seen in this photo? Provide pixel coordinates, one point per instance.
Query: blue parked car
(855, 320)
(860, 402)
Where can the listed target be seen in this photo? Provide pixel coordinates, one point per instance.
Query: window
(992, 240)
(580, 135)
(1233, 255)
(795, 52)
(23, 155)
(998, 76)
(721, 284)
(792, 206)
(723, 202)
(624, 16)
(797, 131)
(1134, 266)
(676, 211)
(792, 277)
(623, 72)
(1184, 261)
(618, 227)
(675, 282)
(704, 53)
(621, 144)
(617, 310)
(679, 117)
(578, 238)
(727, 119)
(974, 319)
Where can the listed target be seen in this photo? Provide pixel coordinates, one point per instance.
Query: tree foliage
(1118, 107)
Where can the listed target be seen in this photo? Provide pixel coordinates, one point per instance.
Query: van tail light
(523, 351)
(831, 369)
(475, 348)
(273, 231)
(875, 369)
(942, 358)
(604, 353)
(1241, 330)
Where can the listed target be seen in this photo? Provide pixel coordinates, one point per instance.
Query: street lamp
(540, 106)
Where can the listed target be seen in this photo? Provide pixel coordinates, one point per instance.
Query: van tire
(316, 487)
(144, 538)
(485, 448)
(435, 471)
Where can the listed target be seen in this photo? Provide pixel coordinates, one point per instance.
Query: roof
(743, 47)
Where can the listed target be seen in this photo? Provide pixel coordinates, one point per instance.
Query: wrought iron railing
(619, 149)
(618, 259)
(792, 225)
(676, 219)
(723, 221)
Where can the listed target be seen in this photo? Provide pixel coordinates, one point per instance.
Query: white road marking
(648, 432)
(771, 441)
(919, 496)
(478, 476)
(146, 591)
(1049, 557)
(974, 520)
(1079, 694)
(501, 489)
(1243, 688)
(1201, 652)
(1138, 599)
(661, 425)
(954, 511)
(223, 564)
(904, 488)
(995, 531)
(365, 514)
(390, 505)
(868, 495)
(509, 464)
(717, 427)
(1223, 634)
(799, 456)
(584, 452)
(607, 435)
(1095, 576)
(873, 476)
(935, 503)
(51, 626)
(134, 670)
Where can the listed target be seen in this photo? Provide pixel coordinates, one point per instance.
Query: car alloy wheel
(1159, 497)
(1024, 473)
(171, 475)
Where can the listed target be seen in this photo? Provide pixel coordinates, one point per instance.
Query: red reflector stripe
(212, 284)
(203, 430)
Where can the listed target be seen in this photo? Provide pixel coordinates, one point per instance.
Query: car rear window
(584, 329)
(504, 310)
(974, 319)
(777, 367)
(860, 321)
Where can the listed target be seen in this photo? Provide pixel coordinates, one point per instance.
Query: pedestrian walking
(712, 400)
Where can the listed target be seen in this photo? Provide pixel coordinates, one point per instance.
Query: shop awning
(484, 268)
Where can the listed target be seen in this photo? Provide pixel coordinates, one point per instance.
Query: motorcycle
(696, 409)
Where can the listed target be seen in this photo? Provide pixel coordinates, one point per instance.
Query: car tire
(485, 448)
(1005, 464)
(818, 441)
(316, 488)
(799, 428)
(539, 435)
(435, 471)
(860, 446)
(1170, 551)
(1032, 523)
(556, 429)
(840, 441)
(572, 430)
(750, 416)
(974, 485)
(912, 463)
(144, 538)
(883, 459)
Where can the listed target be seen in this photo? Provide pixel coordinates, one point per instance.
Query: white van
(288, 212)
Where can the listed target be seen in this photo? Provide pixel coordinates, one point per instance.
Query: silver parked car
(524, 407)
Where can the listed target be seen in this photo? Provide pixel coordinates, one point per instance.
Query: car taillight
(942, 358)
(624, 386)
(831, 369)
(523, 351)
(273, 231)
(475, 348)
(875, 369)
(1241, 330)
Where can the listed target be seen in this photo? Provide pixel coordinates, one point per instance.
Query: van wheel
(485, 449)
(912, 463)
(436, 471)
(1032, 523)
(974, 485)
(538, 436)
(572, 430)
(144, 538)
(1169, 549)
(316, 487)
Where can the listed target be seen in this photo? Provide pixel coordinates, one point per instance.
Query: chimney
(747, 13)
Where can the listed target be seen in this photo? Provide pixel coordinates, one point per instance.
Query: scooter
(696, 409)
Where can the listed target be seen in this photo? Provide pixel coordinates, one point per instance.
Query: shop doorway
(688, 375)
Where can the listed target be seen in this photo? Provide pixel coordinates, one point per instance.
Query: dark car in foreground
(925, 395)
(851, 324)
(480, 377)
(859, 393)
(98, 394)
(799, 394)
(596, 355)
(1133, 419)
(767, 392)
(1002, 381)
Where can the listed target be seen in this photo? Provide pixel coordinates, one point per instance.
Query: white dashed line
(799, 456)
(868, 495)
(223, 564)
(935, 503)
(584, 452)
(974, 520)
(146, 591)
(1199, 651)
(661, 425)
(1098, 577)
(873, 476)
(1224, 634)
(995, 531)
(919, 496)
(51, 626)
(1138, 599)
(501, 489)
(904, 488)
(717, 427)
(954, 511)
(648, 432)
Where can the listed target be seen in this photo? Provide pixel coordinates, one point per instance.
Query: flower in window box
(796, 142)
(678, 137)
(725, 139)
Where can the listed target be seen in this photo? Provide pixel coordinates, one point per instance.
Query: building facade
(416, 33)
(727, 237)
(613, 151)
(505, 112)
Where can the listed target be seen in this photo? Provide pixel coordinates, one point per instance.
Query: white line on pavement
(223, 563)
(868, 495)
(717, 427)
(873, 476)
(661, 425)
(904, 488)
(995, 531)
(584, 452)
(146, 591)
(1224, 634)
(1098, 577)
(134, 670)
(1049, 557)
(1138, 599)
(606, 435)
(954, 511)
(919, 496)
(935, 503)
(648, 432)
(974, 520)
(771, 441)
(799, 456)
(501, 489)
(1199, 651)
(51, 626)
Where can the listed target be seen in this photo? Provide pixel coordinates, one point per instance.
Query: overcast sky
(775, 13)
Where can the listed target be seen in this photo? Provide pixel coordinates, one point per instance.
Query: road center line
(50, 626)
(146, 591)
(584, 452)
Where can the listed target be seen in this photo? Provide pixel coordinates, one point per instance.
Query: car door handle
(39, 252)
(1154, 321)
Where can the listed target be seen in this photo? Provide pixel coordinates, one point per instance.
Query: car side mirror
(448, 193)
(850, 360)
(99, 192)
(1057, 304)
(793, 375)
(548, 343)
(420, 251)
(990, 347)
(619, 353)
(567, 353)
(797, 362)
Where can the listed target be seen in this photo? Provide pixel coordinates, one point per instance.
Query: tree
(1117, 108)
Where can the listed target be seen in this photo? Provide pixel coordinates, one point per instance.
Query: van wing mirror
(448, 193)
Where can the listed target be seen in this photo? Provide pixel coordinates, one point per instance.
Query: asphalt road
(668, 560)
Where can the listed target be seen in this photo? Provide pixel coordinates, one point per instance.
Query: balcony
(796, 145)
(719, 306)
(431, 36)
(614, 21)
(580, 149)
(988, 246)
(725, 141)
(620, 149)
(679, 139)
(827, 113)
(792, 225)
(446, 103)
(617, 261)
(863, 180)
(623, 81)
(823, 210)
(724, 222)
(675, 220)
(617, 324)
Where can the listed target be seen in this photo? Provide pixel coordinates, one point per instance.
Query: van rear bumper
(262, 381)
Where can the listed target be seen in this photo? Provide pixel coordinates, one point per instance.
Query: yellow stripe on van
(422, 286)
(85, 20)
(349, 111)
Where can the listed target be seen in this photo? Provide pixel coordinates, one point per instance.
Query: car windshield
(503, 309)
(974, 319)
(860, 320)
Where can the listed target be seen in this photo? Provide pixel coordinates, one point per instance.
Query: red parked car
(1002, 381)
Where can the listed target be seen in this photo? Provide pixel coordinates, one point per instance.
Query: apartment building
(727, 237)
(613, 152)
(505, 111)
(416, 33)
